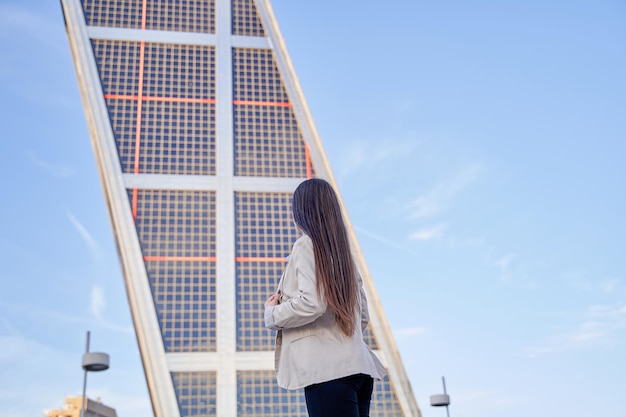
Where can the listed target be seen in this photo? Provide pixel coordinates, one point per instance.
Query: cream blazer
(310, 346)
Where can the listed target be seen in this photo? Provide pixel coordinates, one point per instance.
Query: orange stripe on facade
(135, 195)
(121, 97)
(180, 258)
(193, 100)
(307, 156)
(262, 103)
(142, 51)
(144, 9)
(257, 259)
(208, 259)
(164, 99)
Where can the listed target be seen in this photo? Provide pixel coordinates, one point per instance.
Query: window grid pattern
(178, 133)
(181, 16)
(123, 117)
(170, 71)
(256, 76)
(258, 395)
(118, 65)
(268, 143)
(267, 138)
(113, 13)
(384, 400)
(180, 71)
(178, 138)
(264, 225)
(176, 230)
(255, 282)
(246, 20)
(370, 339)
(186, 16)
(264, 235)
(184, 296)
(196, 393)
(176, 223)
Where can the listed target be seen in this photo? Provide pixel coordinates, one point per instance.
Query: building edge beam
(146, 325)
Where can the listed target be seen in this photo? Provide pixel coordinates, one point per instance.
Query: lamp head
(95, 361)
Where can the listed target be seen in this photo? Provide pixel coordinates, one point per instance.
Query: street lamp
(440, 400)
(92, 362)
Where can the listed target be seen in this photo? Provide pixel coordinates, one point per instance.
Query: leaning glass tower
(201, 133)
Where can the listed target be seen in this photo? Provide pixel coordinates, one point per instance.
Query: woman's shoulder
(302, 244)
(303, 241)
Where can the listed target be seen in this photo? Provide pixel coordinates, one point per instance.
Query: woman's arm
(305, 307)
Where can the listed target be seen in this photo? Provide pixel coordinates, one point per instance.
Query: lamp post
(440, 400)
(92, 362)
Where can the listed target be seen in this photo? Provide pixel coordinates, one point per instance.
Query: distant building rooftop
(71, 408)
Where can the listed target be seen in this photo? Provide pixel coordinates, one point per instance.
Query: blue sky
(479, 148)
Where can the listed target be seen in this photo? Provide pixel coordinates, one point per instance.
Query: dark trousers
(344, 397)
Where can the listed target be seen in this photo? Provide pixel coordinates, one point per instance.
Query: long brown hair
(317, 213)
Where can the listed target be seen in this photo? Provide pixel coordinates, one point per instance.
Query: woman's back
(311, 347)
(320, 312)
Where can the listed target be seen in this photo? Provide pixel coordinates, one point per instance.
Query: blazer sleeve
(305, 307)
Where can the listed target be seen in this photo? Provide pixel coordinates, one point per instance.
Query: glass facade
(205, 146)
(245, 19)
(161, 103)
(176, 230)
(268, 140)
(259, 396)
(196, 393)
(264, 233)
(182, 16)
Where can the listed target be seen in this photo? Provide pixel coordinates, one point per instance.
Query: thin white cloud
(468, 242)
(612, 285)
(7, 327)
(36, 312)
(383, 240)
(97, 302)
(504, 264)
(512, 271)
(582, 281)
(439, 197)
(364, 154)
(608, 312)
(91, 242)
(426, 205)
(97, 306)
(22, 23)
(57, 171)
(410, 331)
(14, 348)
(28, 24)
(577, 279)
(601, 327)
(428, 233)
(393, 149)
(28, 366)
(483, 402)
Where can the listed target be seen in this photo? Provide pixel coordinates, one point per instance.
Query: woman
(320, 312)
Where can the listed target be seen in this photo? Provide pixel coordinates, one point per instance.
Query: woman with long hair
(320, 312)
